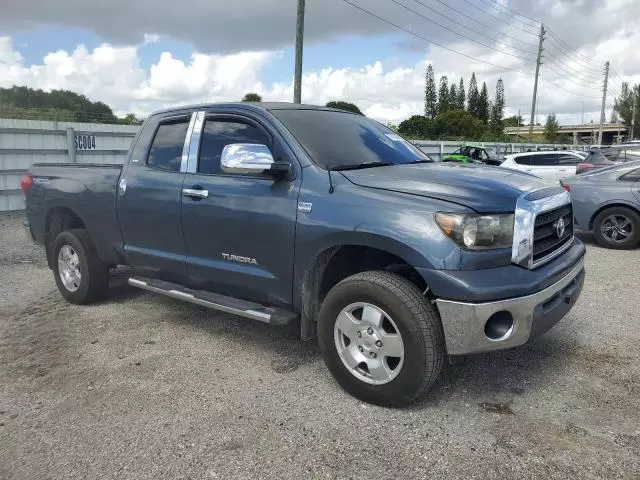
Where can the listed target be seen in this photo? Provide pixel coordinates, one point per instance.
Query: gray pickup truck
(280, 213)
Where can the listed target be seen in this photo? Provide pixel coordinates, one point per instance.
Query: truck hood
(483, 188)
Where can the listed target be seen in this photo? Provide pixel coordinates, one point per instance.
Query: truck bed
(88, 189)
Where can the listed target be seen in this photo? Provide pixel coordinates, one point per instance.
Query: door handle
(195, 192)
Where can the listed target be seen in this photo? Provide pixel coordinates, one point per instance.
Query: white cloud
(387, 91)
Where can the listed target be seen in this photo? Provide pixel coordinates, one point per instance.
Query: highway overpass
(580, 134)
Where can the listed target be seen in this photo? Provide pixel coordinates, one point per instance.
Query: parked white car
(550, 165)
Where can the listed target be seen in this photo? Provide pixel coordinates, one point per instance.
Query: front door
(150, 198)
(240, 238)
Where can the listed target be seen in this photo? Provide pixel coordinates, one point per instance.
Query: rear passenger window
(632, 176)
(167, 146)
(523, 160)
(568, 160)
(217, 134)
(546, 160)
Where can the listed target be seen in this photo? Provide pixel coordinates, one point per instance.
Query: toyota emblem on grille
(560, 226)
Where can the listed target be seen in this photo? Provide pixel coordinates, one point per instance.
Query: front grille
(545, 232)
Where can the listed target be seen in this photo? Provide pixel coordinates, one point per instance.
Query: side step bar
(222, 303)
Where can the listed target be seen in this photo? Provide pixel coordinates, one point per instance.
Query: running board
(215, 301)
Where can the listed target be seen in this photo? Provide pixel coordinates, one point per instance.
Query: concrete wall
(24, 142)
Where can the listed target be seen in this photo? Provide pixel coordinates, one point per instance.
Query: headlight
(477, 232)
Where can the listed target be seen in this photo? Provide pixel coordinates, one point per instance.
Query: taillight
(26, 182)
(583, 167)
(567, 188)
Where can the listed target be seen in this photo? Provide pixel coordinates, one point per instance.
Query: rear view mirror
(251, 158)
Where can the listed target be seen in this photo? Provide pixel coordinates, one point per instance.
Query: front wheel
(617, 227)
(381, 338)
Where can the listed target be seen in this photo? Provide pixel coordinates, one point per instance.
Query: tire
(93, 280)
(622, 216)
(404, 311)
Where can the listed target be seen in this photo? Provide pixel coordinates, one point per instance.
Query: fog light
(499, 326)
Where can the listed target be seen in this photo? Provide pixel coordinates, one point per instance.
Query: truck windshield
(344, 140)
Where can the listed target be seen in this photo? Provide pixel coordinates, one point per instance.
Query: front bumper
(532, 315)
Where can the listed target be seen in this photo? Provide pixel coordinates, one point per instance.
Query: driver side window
(217, 134)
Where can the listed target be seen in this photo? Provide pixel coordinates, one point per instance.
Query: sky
(141, 55)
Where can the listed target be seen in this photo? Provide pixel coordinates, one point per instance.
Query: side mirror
(252, 159)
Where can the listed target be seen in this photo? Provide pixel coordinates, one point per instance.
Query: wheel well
(58, 220)
(349, 260)
(336, 264)
(611, 205)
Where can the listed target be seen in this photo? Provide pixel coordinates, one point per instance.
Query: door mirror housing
(252, 159)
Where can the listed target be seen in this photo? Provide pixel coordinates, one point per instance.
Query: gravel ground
(142, 386)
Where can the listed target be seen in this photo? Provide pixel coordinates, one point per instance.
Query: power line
(501, 67)
(568, 52)
(517, 14)
(453, 31)
(586, 82)
(488, 27)
(529, 32)
(578, 54)
(567, 90)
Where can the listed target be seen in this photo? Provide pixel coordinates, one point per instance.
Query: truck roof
(250, 106)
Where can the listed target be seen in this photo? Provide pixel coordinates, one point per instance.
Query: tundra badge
(236, 258)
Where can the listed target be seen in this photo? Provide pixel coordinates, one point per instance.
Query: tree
(461, 96)
(63, 105)
(513, 121)
(483, 104)
(624, 105)
(443, 95)
(349, 107)
(473, 96)
(497, 109)
(252, 97)
(130, 119)
(551, 129)
(453, 97)
(430, 94)
(417, 126)
(457, 123)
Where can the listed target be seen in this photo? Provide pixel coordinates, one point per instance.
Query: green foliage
(624, 106)
(62, 105)
(551, 129)
(443, 95)
(473, 96)
(497, 109)
(430, 94)
(513, 121)
(349, 107)
(460, 101)
(392, 126)
(457, 123)
(483, 105)
(417, 126)
(453, 97)
(252, 97)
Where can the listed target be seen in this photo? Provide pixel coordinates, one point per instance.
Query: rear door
(150, 197)
(545, 165)
(567, 164)
(240, 236)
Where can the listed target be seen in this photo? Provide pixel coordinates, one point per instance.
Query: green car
(473, 153)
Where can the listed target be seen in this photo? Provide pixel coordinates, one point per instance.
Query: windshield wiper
(358, 166)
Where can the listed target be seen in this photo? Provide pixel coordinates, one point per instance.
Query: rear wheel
(79, 273)
(380, 338)
(617, 227)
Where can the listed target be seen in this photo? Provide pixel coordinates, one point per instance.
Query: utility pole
(633, 113)
(535, 83)
(297, 80)
(582, 123)
(604, 100)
